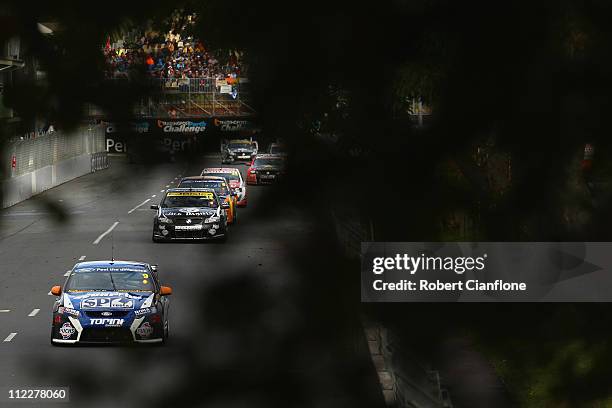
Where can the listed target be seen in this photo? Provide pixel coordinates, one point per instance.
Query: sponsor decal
(107, 322)
(104, 302)
(66, 331)
(109, 294)
(111, 269)
(144, 311)
(145, 330)
(121, 303)
(207, 194)
(67, 310)
(192, 214)
(186, 126)
(221, 170)
(188, 227)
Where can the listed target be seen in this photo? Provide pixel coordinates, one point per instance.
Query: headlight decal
(165, 220)
(212, 219)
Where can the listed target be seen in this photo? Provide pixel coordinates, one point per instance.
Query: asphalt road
(244, 329)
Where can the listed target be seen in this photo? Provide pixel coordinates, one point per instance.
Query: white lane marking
(167, 185)
(34, 312)
(67, 273)
(105, 233)
(82, 257)
(139, 205)
(10, 337)
(161, 191)
(36, 213)
(154, 195)
(5, 310)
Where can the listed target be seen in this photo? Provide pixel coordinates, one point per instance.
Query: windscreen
(197, 199)
(268, 162)
(128, 279)
(220, 187)
(240, 145)
(229, 176)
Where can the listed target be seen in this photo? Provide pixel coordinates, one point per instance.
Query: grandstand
(187, 79)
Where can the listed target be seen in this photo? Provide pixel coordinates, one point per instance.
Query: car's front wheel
(166, 332)
(54, 344)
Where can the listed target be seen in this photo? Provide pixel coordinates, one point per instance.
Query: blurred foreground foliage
(535, 75)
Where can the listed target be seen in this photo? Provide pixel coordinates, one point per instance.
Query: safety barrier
(192, 98)
(405, 381)
(99, 161)
(31, 166)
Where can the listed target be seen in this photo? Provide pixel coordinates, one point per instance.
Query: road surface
(248, 327)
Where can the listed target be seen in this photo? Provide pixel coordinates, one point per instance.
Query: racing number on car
(115, 303)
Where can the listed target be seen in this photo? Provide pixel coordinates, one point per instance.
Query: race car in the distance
(221, 187)
(238, 150)
(277, 148)
(190, 214)
(235, 179)
(265, 169)
(111, 302)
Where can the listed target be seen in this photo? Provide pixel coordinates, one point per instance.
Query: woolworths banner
(486, 272)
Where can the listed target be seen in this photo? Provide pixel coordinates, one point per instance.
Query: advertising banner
(175, 134)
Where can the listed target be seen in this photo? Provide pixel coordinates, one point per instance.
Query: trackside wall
(32, 166)
(405, 381)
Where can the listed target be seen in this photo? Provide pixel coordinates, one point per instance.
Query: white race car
(236, 181)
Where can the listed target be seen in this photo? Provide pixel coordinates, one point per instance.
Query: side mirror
(154, 268)
(225, 205)
(165, 291)
(56, 290)
(155, 207)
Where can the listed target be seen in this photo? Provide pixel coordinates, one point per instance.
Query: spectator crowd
(170, 55)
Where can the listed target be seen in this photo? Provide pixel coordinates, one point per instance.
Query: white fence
(32, 166)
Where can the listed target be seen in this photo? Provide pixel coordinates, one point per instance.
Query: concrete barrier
(33, 165)
(20, 188)
(405, 381)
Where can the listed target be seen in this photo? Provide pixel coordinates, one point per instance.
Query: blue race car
(111, 302)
